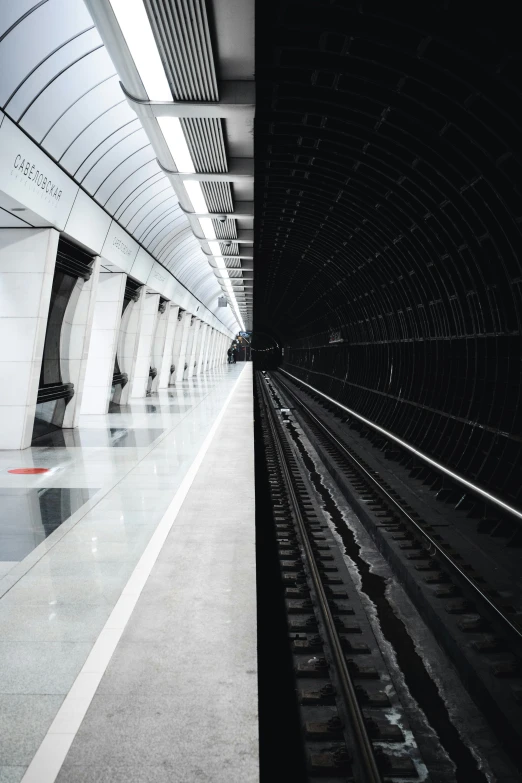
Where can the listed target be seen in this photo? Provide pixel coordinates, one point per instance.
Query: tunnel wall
(388, 215)
(444, 397)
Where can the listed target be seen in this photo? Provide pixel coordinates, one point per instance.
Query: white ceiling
(60, 86)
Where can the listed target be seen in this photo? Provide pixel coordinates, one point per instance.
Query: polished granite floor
(29, 516)
(114, 437)
(86, 523)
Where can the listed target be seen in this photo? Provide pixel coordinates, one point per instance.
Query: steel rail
(447, 558)
(455, 476)
(364, 746)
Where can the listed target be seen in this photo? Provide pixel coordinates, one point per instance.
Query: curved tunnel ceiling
(388, 215)
(63, 90)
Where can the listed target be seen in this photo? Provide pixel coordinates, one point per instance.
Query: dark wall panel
(53, 395)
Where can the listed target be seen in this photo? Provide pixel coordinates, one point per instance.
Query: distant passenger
(229, 354)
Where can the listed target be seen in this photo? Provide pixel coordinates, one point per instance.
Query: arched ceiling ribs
(388, 204)
(63, 89)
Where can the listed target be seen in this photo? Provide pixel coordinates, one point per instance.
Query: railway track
(481, 637)
(354, 727)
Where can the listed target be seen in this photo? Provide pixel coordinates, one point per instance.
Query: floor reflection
(110, 436)
(29, 516)
(137, 408)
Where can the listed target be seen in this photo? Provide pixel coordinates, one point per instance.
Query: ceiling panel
(82, 114)
(60, 95)
(24, 48)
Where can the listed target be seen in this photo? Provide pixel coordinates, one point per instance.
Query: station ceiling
(59, 83)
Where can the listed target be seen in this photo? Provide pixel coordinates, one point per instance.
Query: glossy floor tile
(181, 686)
(29, 516)
(85, 437)
(78, 531)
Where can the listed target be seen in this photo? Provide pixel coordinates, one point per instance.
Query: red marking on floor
(29, 471)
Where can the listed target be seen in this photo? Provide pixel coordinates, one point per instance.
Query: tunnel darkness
(388, 207)
(266, 350)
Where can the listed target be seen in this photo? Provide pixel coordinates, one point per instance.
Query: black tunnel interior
(388, 217)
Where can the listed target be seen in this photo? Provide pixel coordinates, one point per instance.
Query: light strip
(197, 198)
(220, 264)
(177, 143)
(195, 192)
(413, 450)
(135, 26)
(208, 228)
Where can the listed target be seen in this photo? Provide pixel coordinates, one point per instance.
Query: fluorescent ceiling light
(220, 263)
(177, 143)
(207, 227)
(195, 193)
(225, 279)
(216, 252)
(228, 286)
(135, 26)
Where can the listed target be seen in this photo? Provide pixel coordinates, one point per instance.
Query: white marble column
(103, 344)
(186, 320)
(221, 353)
(210, 351)
(202, 345)
(176, 347)
(194, 348)
(208, 358)
(219, 343)
(27, 261)
(145, 336)
(215, 351)
(190, 343)
(170, 333)
(205, 365)
(75, 339)
(212, 362)
(224, 346)
(158, 344)
(130, 327)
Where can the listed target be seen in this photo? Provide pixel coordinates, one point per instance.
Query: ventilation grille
(226, 230)
(232, 263)
(233, 250)
(206, 143)
(183, 36)
(218, 196)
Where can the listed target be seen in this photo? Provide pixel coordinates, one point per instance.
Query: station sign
(120, 248)
(30, 177)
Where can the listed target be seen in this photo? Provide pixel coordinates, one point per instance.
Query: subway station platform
(128, 609)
